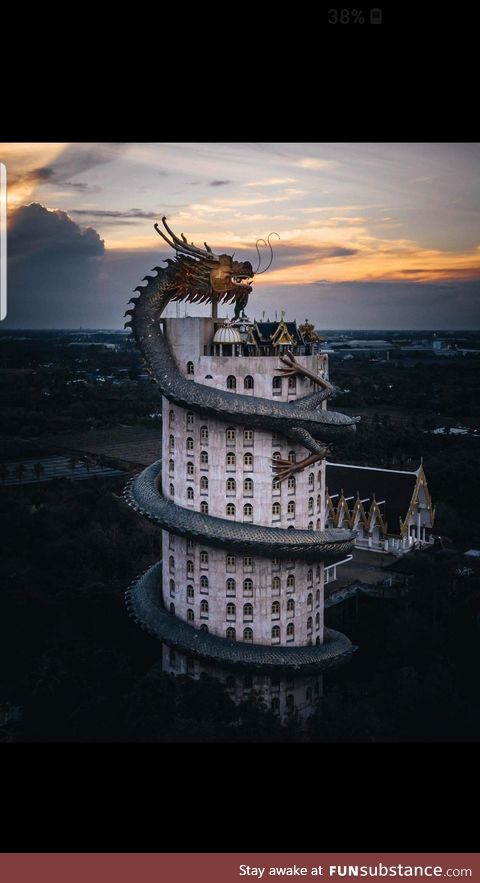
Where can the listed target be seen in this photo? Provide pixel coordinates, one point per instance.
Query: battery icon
(375, 16)
(3, 241)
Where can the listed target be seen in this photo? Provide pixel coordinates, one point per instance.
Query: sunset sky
(371, 235)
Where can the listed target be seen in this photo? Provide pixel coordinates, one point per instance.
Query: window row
(248, 382)
(277, 510)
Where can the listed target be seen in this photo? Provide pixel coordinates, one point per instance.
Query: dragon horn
(185, 246)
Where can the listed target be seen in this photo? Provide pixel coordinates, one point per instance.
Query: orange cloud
(26, 164)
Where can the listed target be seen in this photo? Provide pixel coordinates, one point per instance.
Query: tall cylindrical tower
(239, 591)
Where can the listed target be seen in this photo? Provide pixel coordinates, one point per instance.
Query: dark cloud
(79, 158)
(34, 177)
(82, 186)
(129, 213)
(53, 269)
(219, 183)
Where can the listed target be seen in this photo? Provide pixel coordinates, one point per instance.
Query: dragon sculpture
(200, 275)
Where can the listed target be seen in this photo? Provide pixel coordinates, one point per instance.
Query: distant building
(391, 509)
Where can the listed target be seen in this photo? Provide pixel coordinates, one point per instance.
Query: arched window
(247, 586)
(247, 636)
(310, 525)
(189, 567)
(291, 509)
(309, 624)
(309, 601)
(292, 384)
(190, 615)
(291, 606)
(318, 571)
(248, 436)
(276, 484)
(311, 480)
(231, 562)
(230, 510)
(317, 597)
(317, 621)
(318, 524)
(310, 505)
(171, 490)
(248, 461)
(189, 493)
(204, 608)
(231, 634)
(189, 443)
(171, 564)
(310, 576)
(248, 511)
(231, 435)
(231, 610)
(290, 630)
(204, 627)
(190, 593)
(171, 541)
(204, 507)
(204, 458)
(247, 563)
(231, 382)
(276, 511)
(275, 633)
(290, 702)
(277, 386)
(292, 456)
(204, 433)
(231, 586)
(248, 487)
(204, 583)
(231, 486)
(291, 484)
(171, 417)
(204, 558)
(172, 658)
(248, 382)
(189, 468)
(190, 419)
(247, 611)
(190, 368)
(319, 503)
(172, 609)
(276, 563)
(172, 588)
(171, 443)
(275, 608)
(276, 455)
(171, 466)
(319, 476)
(275, 705)
(276, 584)
(204, 484)
(290, 581)
(231, 460)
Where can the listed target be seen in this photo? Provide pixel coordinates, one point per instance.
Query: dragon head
(201, 275)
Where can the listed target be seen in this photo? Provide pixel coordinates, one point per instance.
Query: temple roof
(267, 333)
(393, 486)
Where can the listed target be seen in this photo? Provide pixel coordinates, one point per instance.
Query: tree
(19, 471)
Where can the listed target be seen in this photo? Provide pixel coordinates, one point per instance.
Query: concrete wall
(196, 470)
